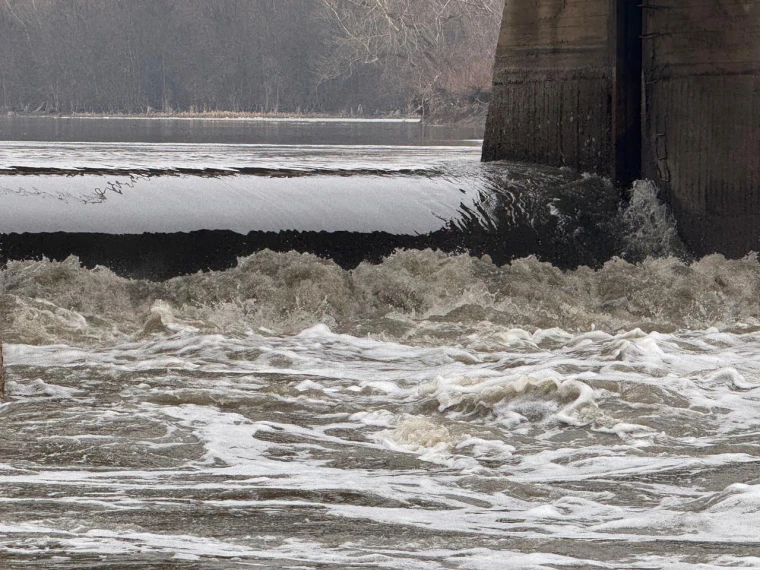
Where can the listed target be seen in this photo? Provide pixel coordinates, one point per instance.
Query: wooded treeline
(134, 56)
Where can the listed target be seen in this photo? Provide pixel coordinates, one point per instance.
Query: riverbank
(443, 114)
(224, 116)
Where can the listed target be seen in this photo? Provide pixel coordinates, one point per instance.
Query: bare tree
(433, 43)
(241, 55)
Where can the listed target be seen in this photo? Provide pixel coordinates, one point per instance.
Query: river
(433, 410)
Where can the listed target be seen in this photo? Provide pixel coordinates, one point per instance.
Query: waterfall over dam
(162, 205)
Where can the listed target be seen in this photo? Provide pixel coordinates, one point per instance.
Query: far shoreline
(223, 117)
(450, 117)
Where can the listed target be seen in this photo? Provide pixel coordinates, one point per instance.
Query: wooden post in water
(2, 373)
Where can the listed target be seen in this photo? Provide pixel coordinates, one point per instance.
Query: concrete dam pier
(667, 90)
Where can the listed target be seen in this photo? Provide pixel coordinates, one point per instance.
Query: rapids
(431, 411)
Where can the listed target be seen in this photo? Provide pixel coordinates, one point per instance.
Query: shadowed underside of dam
(667, 90)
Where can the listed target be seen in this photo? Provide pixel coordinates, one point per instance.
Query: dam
(344, 344)
(667, 90)
(620, 89)
(185, 196)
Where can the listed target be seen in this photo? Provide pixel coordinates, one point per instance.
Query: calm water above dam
(435, 410)
(305, 131)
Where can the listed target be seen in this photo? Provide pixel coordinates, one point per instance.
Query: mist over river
(455, 404)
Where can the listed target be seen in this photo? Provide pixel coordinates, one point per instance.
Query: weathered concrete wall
(569, 80)
(702, 118)
(552, 100)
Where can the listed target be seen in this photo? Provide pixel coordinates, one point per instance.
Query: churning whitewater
(592, 406)
(431, 411)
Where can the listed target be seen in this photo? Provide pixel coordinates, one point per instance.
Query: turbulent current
(431, 411)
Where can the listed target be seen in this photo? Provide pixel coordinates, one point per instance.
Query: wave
(414, 296)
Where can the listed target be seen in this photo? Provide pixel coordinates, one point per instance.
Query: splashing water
(649, 226)
(414, 296)
(432, 411)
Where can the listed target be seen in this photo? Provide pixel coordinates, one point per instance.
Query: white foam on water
(429, 412)
(412, 297)
(40, 388)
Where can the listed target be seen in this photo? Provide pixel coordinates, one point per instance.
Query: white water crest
(431, 411)
(419, 297)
